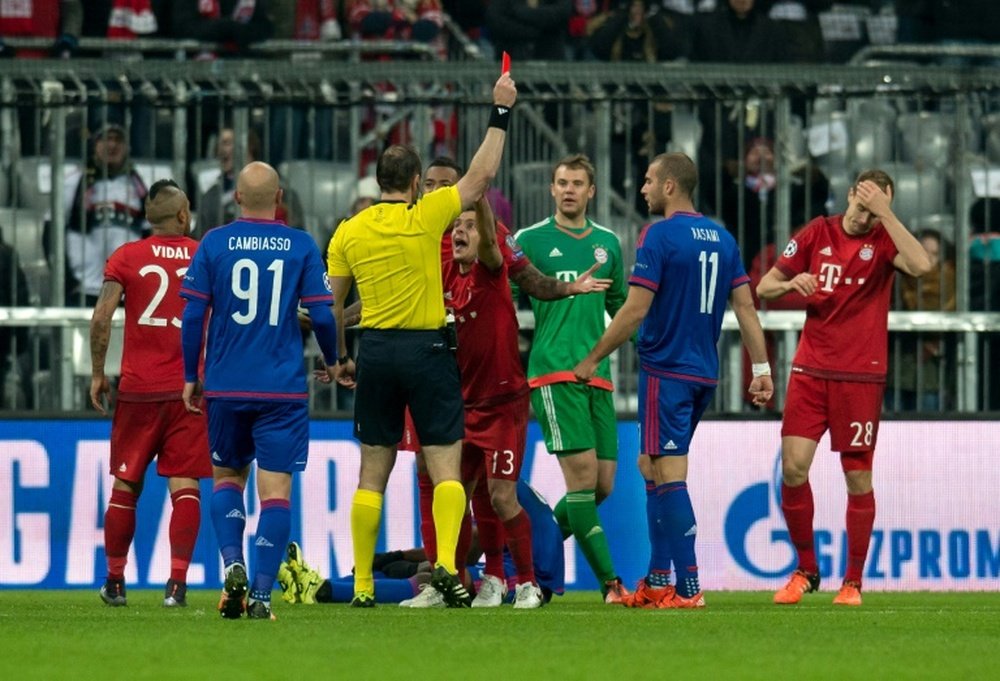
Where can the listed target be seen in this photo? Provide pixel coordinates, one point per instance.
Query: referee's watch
(343, 360)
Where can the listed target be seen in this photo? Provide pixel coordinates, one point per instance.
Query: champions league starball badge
(866, 252)
(600, 255)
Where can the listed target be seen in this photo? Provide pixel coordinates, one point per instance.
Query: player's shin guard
(658, 575)
(860, 519)
(797, 506)
(561, 512)
(677, 514)
(229, 518)
(426, 490)
(449, 507)
(491, 534)
(184, 521)
(119, 529)
(589, 534)
(273, 529)
(366, 516)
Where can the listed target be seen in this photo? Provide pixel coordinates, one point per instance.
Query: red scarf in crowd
(130, 19)
(36, 18)
(310, 15)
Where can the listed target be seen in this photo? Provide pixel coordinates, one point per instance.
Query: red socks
(119, 528)
(518, 530)
(491, 533)
(797, 505)
(184, 522)
(860, 518)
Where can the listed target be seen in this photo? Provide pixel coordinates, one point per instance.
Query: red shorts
(849, 410)
(166, 431)
(495, 438)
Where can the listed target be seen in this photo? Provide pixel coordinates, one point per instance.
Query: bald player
(254, 273)
(150, 420)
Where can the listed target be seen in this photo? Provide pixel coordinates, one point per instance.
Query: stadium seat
(919, 192)
(872, 133)
(530, 184)
(22, 228)
(685, 131)
(33, 187)
(152, 170)
(929, 138)
(325, 189)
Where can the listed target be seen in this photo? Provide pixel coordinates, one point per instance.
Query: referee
(406, 355)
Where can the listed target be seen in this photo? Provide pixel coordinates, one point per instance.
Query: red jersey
(488, 359)
(846, 335)
(150, 271)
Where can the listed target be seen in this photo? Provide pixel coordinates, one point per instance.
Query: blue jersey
(691, 264)
(253, 274)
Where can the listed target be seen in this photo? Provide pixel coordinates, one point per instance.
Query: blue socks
(229, 518)
(676, 514)
(658, 575)
(273, 530)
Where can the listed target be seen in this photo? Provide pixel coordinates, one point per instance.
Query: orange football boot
(799, 583)
(615, 591)
(682, 603)
(646, 596)
(849, 594)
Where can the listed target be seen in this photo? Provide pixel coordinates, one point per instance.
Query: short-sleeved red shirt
(846, 332)
(150, 271)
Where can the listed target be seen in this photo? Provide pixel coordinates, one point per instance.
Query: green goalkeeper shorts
(577, 417)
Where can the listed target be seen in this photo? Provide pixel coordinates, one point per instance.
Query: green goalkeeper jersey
(567, 329)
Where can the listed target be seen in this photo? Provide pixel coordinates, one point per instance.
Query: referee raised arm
(406, 355)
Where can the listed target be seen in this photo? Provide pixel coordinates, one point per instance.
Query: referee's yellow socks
(449, 509)
(366, 516)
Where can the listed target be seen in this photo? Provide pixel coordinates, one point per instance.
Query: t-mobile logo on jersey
(567, 275)
(829, 275)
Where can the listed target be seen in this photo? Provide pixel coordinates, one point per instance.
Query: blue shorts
(669, 411)
(274, 433)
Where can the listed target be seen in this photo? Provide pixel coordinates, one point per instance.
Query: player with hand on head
(150, 419)
(844, 265)
(578, 420)
(254, 273)
(683, 263)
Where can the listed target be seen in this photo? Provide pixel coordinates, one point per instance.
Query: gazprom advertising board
(937, 527)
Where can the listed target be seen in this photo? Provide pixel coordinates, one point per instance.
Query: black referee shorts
(398, 368)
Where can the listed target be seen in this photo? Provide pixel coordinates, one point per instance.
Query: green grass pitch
(72, 635)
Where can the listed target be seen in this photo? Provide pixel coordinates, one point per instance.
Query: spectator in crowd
(218, 205)
(918, 367)
(13, 340)
(235, 23)
(59, 20)
(799, 21)
(984, 289)
(754, 226)
(311, 20)
(419, 20)
(530, 29)
(738, 31)
(631, 33)
(107, 212)
(290, 133)
(124, 19)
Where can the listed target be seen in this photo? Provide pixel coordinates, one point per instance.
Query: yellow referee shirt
(393, 251)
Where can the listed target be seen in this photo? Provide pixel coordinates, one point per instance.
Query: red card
(505, 64)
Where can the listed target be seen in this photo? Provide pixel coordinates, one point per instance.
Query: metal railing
(620, 115)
